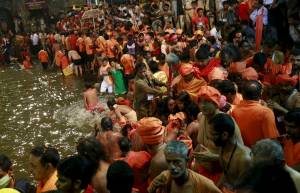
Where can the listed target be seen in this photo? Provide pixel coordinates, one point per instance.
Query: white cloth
(257, 12)
(105, 86)
(35, 39)
(268, 2)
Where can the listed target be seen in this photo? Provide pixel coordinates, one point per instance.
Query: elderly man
(188, 81)
(207, 153)
(234, 157)
(255, 121)
(178, 178)
(270, 150)
(43, 162)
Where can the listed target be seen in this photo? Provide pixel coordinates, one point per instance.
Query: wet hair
(193, 112)
(265, 177)
(76, 168)
(185, 98)
(226, 87)
(202, 53)
(222, 122)
(120, 177)
(48, 154)
(185, 55)
(177, 147)
(140, 66)
(111, 101)
(124, 144)
(251, 90)
(153, 65)
(293, 116)
(106, 124)
(5, 163)
(161, 57)
(88, 84)
(92, 150)
(270, 149)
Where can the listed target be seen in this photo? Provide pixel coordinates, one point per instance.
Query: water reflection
(39, 107)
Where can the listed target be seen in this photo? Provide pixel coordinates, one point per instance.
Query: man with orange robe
(207, 153)
(44, 58)
(188, 81)
(151, 131)
(255, 121)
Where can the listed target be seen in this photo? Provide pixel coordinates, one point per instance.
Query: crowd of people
(201, 97)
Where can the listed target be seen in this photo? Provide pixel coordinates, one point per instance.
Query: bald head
(251, 90)
(267, 150)
(177, 147)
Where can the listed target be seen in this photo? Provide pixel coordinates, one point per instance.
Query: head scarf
(186, 69)
(150, 129)
(249, 74)
(210, 94)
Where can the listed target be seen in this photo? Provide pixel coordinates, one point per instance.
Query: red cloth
(215, 177)
(243, 11)
(73, 40)
(203, 72)
(259, 30)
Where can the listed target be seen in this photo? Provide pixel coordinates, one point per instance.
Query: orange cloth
(27, 64)
(139, 162)
(43, 56)
(48, 185)
(58, 57)
(192, 87)
(186, 69)
(128, 63)
(89, 46)
(218, 73)
(291, 152)
(284, 79)
(64, 62)
(211, 94)
(259, 30)
(249, 74)
(173, 121)
(150, 129)
(255, 121)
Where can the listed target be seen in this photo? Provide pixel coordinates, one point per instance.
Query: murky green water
(39, 107)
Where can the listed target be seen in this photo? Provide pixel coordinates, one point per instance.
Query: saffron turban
(210, 94)
(150, 129)
(249, 74)
(186, 69)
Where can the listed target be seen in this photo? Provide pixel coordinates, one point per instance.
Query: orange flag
(259, 29)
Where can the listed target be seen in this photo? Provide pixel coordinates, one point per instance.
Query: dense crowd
(202, 98)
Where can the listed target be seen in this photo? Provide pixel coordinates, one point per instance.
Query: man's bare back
(90, 98)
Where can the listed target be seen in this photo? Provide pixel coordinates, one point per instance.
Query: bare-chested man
(90, 98)
(94, 152)
(124, 113)
(234, 157)
(76, 59)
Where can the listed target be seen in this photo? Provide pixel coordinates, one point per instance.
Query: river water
(38, 107)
